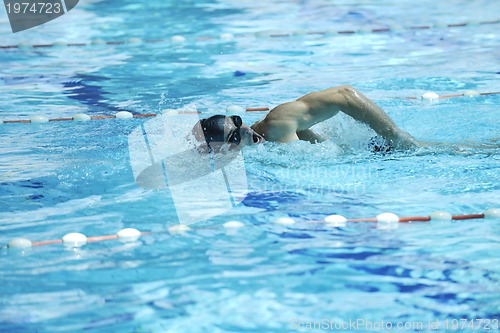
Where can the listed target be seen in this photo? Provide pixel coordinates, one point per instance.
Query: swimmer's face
(238, 133)
(220, 130)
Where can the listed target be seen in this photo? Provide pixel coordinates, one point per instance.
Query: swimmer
(287, 122)
(292, 121)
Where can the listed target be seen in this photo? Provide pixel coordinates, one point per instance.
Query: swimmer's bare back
(292, 121)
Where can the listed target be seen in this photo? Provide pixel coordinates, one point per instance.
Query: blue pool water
(65, 177)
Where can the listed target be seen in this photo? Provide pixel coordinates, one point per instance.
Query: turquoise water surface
(63, 177)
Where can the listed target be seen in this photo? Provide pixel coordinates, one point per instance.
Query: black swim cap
(213, 129)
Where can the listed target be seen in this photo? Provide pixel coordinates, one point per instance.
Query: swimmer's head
(219, 130)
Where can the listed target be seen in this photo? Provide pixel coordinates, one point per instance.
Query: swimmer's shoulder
(277, 130)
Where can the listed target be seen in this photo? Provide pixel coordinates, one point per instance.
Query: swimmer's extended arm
(358, 106)
(292, 121)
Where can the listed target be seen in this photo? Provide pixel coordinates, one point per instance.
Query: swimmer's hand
(379, 144)
(403, 140)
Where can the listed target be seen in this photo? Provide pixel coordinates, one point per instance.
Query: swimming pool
(63, 177)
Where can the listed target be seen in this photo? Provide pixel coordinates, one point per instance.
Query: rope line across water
(130, 235)
(229, 37)
(429, 96)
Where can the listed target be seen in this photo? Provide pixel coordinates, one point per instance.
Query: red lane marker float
(451, 96)
(256, 109)
(468, 217)
(102, 117)
(101, 238)
(61, 119)
(490, 22)
(146, 115)
(346, 32)
(415, 219)
(17, 121)
(381, 30)
(370, 219)
(48, 242)
(490, 93)
(420, 27)
(457, 25)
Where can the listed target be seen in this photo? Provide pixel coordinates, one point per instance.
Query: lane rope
(229, 37)
(428, 96)
(384, 221)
